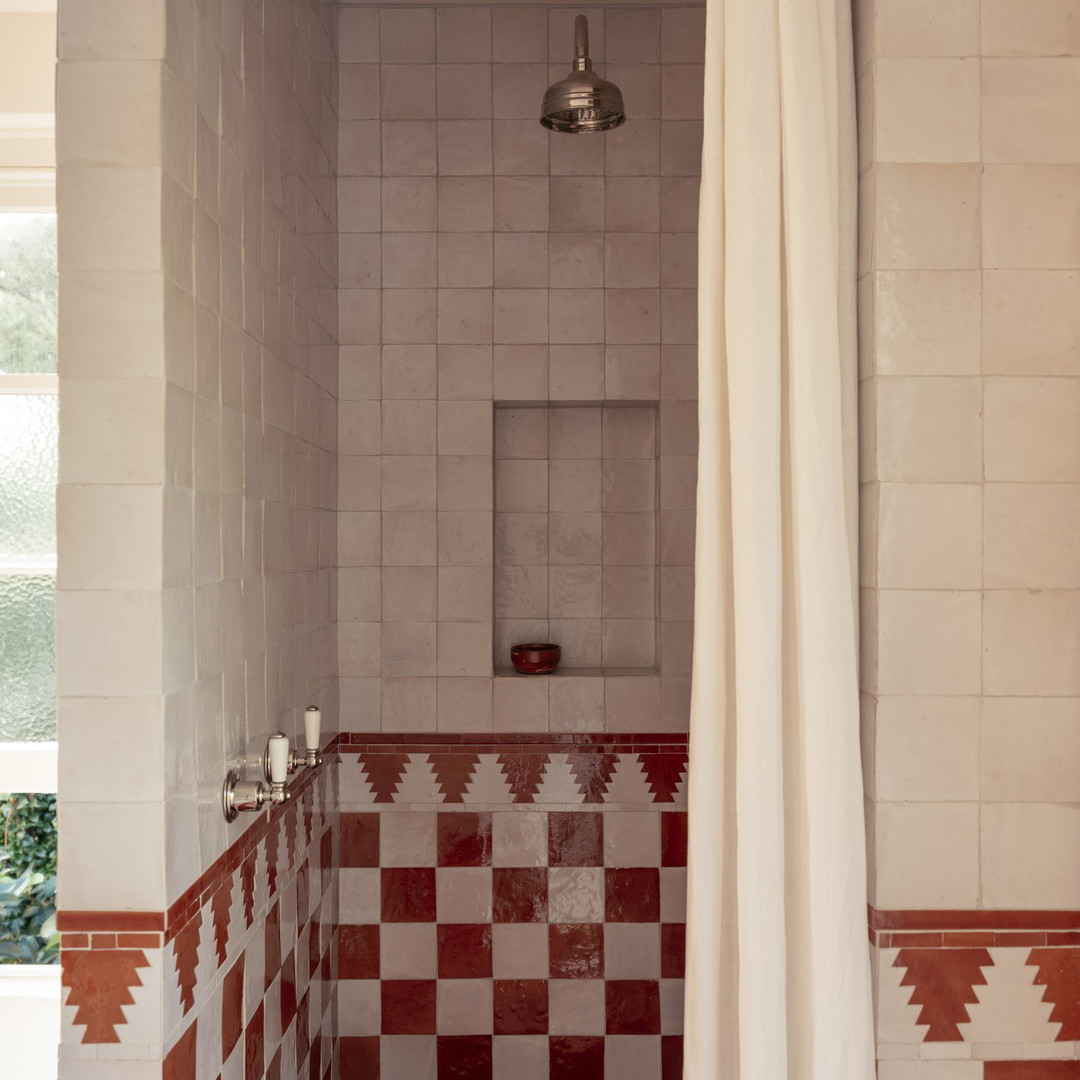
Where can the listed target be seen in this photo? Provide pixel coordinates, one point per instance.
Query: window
(28, 454)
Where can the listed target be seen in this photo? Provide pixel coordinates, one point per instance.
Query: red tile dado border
(110, 922)
(492, 742)
(934, 924)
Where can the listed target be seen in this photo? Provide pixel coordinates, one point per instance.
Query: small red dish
(535, 658)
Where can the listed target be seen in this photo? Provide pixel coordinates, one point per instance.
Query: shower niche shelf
(577, 535)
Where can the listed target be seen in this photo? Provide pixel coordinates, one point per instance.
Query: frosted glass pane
(27, 293)
(27, 476)
(27, 697)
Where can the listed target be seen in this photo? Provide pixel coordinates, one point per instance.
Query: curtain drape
(778, 973)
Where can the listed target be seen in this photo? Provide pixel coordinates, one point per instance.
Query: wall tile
(927, 110)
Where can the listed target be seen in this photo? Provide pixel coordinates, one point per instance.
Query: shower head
(582, 101)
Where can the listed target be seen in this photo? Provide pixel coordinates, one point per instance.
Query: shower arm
(581, 44)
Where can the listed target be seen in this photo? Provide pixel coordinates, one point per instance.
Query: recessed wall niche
(577, 534)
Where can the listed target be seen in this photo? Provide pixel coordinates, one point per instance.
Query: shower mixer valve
(310, 757)
(252, 795)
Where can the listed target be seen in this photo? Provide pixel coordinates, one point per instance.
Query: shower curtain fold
(778, 976)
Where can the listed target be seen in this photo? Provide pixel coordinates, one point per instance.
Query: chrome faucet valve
(250, 796)
(311, 755)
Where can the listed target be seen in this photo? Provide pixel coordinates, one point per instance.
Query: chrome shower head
(582, 101)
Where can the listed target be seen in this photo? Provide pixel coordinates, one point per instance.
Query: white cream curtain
(778, 974)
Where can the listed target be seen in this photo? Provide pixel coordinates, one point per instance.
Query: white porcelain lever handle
(279, 758)
(312, 727)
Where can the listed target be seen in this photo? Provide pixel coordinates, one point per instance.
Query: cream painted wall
(27, 109)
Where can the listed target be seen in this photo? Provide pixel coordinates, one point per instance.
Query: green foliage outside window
(28, 880)
(27, 293)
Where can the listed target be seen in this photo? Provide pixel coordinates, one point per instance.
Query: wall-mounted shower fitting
(252, 795)
(311, 756)
(582, 102)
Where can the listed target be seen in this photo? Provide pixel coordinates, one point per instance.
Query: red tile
(408, 1006)
(383, 771)
(464, 1057)
(314, 945)
(633, 1006)
(576, 950)
(273, 1070)
(453, 773)
(359, 1057)
(576, 839)
(664, 773)
(232, 1008)
(272, 944)
(521, 1007)
(180, 1060)
(593, 773)
(671, 1054)
(186, 955)
(464, 951)
(632, 894)
(254, 1047)
(524, 772)
(944, 981)
(519, 894)
(464, 839)
(672, 951)
(408, 894)
(99, 984)
(287, 992)
(360, 839)
(1032, 1070)
(576, 1058)
(220, 905)
(1059, 971)
(673, 838)
(358, 952)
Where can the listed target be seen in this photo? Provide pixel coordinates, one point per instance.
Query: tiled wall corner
(198, 384)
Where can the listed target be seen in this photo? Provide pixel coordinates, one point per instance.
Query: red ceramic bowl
(535, 658)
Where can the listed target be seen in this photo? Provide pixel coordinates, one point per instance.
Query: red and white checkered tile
(516, 941)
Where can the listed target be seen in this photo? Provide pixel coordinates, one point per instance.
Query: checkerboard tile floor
(512, 945)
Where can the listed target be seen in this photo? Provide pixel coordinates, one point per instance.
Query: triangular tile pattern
(453, 772)
(897, 1018)
(99, 983)
(186, 957)
(560, 785)
(292, 832)
(664, 771)
(488, 783)
(220, 905)
(272, 848)
(944, 981)
(521, 776)
(247, 888)
(593, 772)
(418, 783)
(1011, 1009)
(383, 772)
(524, 773)
(1059, 971)
(629, 785)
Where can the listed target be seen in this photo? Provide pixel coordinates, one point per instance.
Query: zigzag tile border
(498, 771)
(1000, 987)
